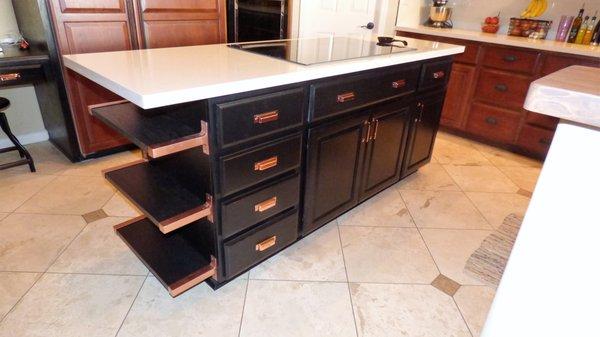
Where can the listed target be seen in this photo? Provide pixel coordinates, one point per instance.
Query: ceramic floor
(391, 267)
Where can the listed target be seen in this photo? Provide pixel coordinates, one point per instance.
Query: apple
(488, 20)
(495, 20)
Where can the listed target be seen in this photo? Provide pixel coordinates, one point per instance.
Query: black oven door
(257, 20)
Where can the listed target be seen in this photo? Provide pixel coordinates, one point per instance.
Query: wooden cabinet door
(88, 26)
(458, 96)
(173, 23)
(334, 161)
(425, 120)
(385, 149)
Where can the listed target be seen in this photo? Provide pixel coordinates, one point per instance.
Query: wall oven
(256, 20)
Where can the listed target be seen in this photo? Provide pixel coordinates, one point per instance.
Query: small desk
(18, 67)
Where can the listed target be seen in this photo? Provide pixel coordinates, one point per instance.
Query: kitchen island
(246, 154)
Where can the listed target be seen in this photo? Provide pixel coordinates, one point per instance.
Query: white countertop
(572, 93)
(502, 39)
(152, 78)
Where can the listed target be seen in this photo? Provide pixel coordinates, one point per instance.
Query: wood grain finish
(501, 88)
(494, 123)
(456, 106)
(535, 140)
(511, 59)
(91, 6)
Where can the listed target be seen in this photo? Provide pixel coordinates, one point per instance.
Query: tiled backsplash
(469, 14)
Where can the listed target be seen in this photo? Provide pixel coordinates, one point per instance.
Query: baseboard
(28, 138)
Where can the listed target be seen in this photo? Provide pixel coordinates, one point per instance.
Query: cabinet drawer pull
(439, 74)
(346, 97)
(266, 117)
(265, 164)
(491, 120)
(265, 205)
(399, 84)
(544, 141)
(501, 87)
(9, 77)
(509, 58)
(266, 244)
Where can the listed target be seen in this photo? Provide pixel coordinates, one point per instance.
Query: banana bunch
(535, 9)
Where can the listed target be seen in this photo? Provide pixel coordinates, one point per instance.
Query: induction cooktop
(309, 51)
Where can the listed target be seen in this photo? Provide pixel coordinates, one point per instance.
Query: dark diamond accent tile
(524, 193)
(95, 216)
(446, 285)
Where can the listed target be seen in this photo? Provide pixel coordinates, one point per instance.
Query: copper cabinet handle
(265, 205)
(399, 84)
(346, 97)
(266, 244)
(9, 77)
(376, 128)
(265, 164)
(365, 138)
(266, 117)
(439, 74)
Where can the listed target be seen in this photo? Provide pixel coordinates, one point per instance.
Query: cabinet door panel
(335, 153)
(458, 95)
(163, 34)
(179, 4)
(74, 6)
(107, 36)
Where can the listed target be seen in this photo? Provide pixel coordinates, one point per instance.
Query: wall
(24, 113)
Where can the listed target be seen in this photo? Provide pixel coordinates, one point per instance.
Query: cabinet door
(424, 121)
(334, 160)
(385, 149)
(88, 26)
(458, 95)
(168, 23)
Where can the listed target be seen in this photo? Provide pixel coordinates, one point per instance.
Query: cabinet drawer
(20, 75)
(493, 123)
(435, 74)
(245, 169)
(510, 59)
(504, 89)
(535, 140)
(254, 117)
(470, 54)
(544, 121)
(245, 211)
(343, 94)
(244, 251)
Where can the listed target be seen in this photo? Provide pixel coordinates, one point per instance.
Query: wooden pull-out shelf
(165, 200)
(174, 259)
(158, 132)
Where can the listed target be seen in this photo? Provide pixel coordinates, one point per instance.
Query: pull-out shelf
(160, 195)
(174, 259)
(158, 132)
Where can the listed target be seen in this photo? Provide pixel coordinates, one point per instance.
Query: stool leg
(22, 150)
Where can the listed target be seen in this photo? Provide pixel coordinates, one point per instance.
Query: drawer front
(340, 95)
(245, 169)
(435, 74)
(535, 140)
(493, 123)
(510, 59)
(503, 89)
(543, 121)
(260, 243)
(470, 54)
(254, 117)
(243, 212)
(20, 75)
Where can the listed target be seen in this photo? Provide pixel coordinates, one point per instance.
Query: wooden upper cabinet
(79, 6)
(171, 23)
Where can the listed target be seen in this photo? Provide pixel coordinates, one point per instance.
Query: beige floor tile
(383, 310)
(294, 309)
(18, 188)
(448, 152)
(385, 209)
(30, 242)
(454, 139)
(451, 248)
(524, 177)
(386, 255)
(500, 157)
(481, 179)
(431, 177)
(70, 195)
(3, 215)
(200, 312)
(47, 160)
(73, 305)
(317, 258)
(99, 250)
(12, 287)
(119, 206)
(497, 206)
(94, 167)
(443, 209)
(474, 302)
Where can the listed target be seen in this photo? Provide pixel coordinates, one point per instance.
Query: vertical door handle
(365, 138)
(376, 128)
(421, 107)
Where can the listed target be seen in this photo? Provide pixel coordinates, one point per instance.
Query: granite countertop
(152, 78)
(503, 39)
(572, 94)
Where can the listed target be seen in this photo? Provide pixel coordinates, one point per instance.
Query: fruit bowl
(490, 28)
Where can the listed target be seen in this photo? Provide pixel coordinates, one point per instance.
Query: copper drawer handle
(266, 117)
(439, 74)
(9, 77)
(265, 205)
(346, 97)
(399, 84)
(266, 244)
(265, 164)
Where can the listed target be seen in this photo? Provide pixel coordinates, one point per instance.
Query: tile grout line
(337, 225)
(33, 195)
(132, 303)
(244, 305)
(462, 316)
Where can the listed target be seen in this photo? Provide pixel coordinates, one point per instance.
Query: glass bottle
(576, 25)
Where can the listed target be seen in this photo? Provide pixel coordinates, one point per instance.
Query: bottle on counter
(582, 30)
(596, 35)
(589, 33)
(576, 25)
(563, 28)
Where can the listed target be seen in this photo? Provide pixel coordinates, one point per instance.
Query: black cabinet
(425, 120)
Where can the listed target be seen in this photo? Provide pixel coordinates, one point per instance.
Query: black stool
(25, 156)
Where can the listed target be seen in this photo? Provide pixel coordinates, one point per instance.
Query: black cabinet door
(334, 160)
(385, 149)
(425, 120)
